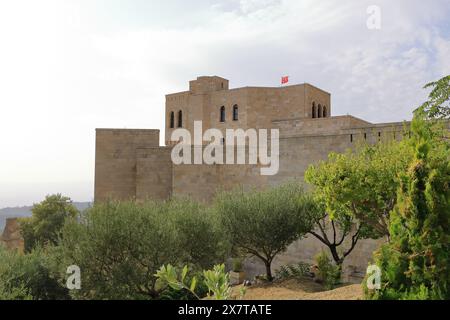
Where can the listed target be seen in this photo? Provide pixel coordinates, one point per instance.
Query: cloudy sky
(70, 66)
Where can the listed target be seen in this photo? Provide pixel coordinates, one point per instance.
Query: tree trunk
(269, 270)
(335, 254)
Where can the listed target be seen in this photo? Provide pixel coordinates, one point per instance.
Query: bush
(217, 281)
(329, 273)
(29, 276)
(14, 293)
(119, 246)
(237, 265)
(296, 271)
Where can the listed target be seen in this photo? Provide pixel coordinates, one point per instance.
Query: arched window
(313, 111)
(319, 111)
(324, 114)
(172, 119)
(222, 114)
(235, 112)
(180, 119)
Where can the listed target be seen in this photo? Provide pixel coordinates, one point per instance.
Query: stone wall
(203, 181)
(11, 237)
(115, 161)
(154, 173)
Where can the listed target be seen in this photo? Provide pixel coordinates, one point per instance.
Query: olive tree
(119, 246)
(30, 276)
(263, 223)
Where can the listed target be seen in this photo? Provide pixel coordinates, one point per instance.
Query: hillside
(19, 212)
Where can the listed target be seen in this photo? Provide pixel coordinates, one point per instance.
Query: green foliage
(29, 276)
(216, 280)
(329, 273)
(263, 223)
(14, 293)
(199, 232)
(296, 271)
(168, 275)
(237, 265)
(119, 246)
(218, 283)
(438, 104)
(48, 218)
(361, 184)
(415, 263)
(340, 233)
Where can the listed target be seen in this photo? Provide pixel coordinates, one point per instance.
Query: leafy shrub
(218, 283)
(201, 290)
(119, 246)
(329, 273)
(14, 293)
(297, 271)
(29, 276)
(237, 265)
(216, 280)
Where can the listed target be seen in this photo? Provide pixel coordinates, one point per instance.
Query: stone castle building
(130, 163)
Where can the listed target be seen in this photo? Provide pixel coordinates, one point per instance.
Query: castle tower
(210, 100)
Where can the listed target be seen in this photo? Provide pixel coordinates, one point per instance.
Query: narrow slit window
(180, 119)
(172, 120)
(235, 112)
(222, 114)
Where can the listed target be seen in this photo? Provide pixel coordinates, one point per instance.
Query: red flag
(284, 80)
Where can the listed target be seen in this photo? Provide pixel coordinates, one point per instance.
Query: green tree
(438, 104)
(119, 246)
(340, 233)
(361, 184)
(414, 264)
(263, 223)
(48, 218)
